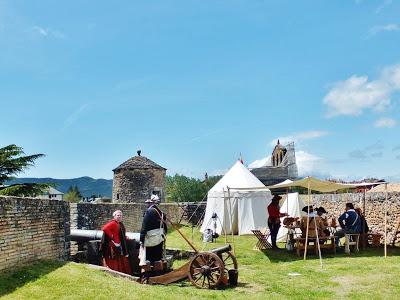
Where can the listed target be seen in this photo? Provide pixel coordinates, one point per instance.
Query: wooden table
(324, 243)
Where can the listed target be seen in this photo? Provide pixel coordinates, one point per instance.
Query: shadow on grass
(282, 255)
(10, 280)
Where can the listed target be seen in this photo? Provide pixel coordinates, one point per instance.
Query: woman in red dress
(114, 248)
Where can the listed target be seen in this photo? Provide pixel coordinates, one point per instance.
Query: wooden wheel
(229, 261)
(206, 270)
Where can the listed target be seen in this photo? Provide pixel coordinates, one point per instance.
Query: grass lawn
(261, 275)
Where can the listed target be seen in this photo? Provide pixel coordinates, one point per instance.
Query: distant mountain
(87, 186)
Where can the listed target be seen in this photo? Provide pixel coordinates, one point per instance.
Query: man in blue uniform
(349, 221)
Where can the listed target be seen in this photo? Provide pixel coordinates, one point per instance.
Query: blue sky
(195, 83)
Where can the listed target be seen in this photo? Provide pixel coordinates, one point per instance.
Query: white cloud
(384, 4)
(385, 122)
(47, 32)
(356, 94)
(218, 172)
(298, 137)
(309, 165)
(72, 118)
(383, 28)
(263, 162)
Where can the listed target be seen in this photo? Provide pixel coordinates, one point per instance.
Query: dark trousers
(155, 253)
(273, 229)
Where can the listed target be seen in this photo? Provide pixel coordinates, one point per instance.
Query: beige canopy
(323, 186)
(316, 185)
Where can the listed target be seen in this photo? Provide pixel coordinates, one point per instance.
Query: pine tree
(73, 194)
(12, 162)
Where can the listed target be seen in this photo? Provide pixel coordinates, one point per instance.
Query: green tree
(73, 194)
(211, 181)
(180, 188)
(12, 162)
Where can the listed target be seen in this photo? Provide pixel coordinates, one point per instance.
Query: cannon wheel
(229, 261)
(206, 270)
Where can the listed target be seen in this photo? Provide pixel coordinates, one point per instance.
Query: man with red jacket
(274, 221)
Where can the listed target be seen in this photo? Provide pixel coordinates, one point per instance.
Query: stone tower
(137, 179)
(281, 165)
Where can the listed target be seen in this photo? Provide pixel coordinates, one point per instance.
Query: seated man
(322, 222)
(349, 222)
(315, 221)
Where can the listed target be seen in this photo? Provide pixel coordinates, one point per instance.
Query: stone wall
(137, 185)
(375, 205)
(94, 216)
(32, 229)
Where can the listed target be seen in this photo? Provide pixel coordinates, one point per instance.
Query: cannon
(89, 244)
(80, 235)
(210, 269)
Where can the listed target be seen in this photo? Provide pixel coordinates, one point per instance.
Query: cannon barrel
(222, 249)
(81, 235)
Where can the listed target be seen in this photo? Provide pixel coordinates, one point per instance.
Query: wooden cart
(210, 269)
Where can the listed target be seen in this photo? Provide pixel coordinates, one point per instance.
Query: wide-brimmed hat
(308, 208)
(276, 197)
(321, 210)
(153, 199)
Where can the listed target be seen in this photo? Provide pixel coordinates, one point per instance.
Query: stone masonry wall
(135, 186)
(32, 229)
(94, 216)
(375, 205)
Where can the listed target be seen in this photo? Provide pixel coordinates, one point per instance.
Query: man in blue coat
(349, 221)
(153, 219)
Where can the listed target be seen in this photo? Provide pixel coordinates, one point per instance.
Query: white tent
(240, 201)
(278, 185)
(292, 206)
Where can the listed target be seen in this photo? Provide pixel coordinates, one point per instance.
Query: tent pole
(385, 209)
(224, 218)
(230, 212)
(287, 201)
(308, 218)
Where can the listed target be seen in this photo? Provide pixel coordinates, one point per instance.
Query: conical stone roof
(138, 162)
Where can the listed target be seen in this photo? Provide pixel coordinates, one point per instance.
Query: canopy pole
(365, 196)
(316, 233)
(287, 211)
(385, 209)
(230, 213)
(308, 218)
(363, 224)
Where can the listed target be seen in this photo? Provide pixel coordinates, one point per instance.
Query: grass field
(268, 274)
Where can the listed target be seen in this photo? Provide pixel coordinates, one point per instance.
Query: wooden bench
(313, 245)
(262, 243)
(351, 239)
